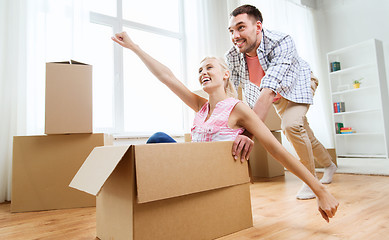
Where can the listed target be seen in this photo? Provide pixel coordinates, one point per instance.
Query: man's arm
(265, 100)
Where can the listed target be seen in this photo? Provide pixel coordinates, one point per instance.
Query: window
(127, 98)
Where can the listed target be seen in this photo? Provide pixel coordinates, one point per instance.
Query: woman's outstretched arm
(249, 120)
(163, 73)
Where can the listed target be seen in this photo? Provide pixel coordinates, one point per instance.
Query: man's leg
(292, 124)
(320, 153)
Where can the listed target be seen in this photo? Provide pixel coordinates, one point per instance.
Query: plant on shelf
(357, 83)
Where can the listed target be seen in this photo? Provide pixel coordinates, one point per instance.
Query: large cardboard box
(68, 98)
(43, 167)
(167, 191)
(262, 164)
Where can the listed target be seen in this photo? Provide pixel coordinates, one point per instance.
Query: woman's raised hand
(124, 40)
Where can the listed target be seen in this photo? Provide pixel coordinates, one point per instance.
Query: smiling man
(266, 64)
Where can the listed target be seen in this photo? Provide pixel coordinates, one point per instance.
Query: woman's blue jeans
(160, 137)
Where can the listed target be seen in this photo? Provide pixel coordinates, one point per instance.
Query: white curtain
(12, 85)
(206, 24)
(32, 32)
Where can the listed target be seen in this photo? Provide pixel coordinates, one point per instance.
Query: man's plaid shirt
(285, 72)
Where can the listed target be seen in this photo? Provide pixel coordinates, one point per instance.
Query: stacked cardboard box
(43, 166)
(68, 98)
(262, 164)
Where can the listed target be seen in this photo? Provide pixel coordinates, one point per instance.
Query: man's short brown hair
(249, 10)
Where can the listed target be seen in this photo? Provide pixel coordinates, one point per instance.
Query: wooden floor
(363, 214)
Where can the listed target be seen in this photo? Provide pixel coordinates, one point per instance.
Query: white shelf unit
(366, 108)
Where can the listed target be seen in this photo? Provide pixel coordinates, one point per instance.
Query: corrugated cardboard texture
(43, 167)
(262, 163)
(206, 215)
(114, 204)
(273, 121)
(68, 98)
(180, 169)
(96, 169)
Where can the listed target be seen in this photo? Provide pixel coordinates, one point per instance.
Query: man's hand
(242, 147)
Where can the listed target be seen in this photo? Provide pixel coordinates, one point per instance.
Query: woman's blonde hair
(229, 87)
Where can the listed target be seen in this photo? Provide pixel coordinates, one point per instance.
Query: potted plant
(357, 83)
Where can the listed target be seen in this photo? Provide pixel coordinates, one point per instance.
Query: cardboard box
(332, 153)
(272, 121)
(188, 137)
(68, 98)
(262, 164)
(167, 191)
(43, 167)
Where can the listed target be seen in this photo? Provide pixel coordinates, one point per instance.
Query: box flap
(70, 62)
(168, 170)
(77, 62)
(97, 168)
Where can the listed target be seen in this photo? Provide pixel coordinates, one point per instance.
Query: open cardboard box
(167, 191)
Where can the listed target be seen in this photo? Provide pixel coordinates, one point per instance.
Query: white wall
(341, 23)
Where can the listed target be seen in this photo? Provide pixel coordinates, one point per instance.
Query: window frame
(117, 23)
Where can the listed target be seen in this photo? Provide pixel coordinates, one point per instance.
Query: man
(265, 63)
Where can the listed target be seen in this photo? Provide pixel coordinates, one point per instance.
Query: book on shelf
(335, 66)
(347, 132)
(342, 107)
(339, 107)
(338, 126)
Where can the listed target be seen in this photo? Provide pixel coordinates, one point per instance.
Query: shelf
(354, 90)
(361, 156)
(355, 112)
(359, 134)
(351, 48)
(351, 69)
(366, 109)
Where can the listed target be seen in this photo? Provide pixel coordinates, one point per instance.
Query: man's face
(245, 33)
